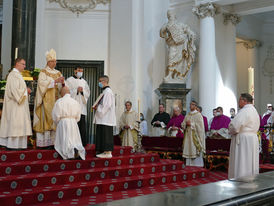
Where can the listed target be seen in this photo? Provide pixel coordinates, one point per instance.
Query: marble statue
(181, 49)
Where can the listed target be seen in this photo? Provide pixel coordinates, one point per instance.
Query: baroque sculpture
(181, 49)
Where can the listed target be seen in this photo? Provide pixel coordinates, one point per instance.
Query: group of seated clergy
(192, 125)
(164, 125)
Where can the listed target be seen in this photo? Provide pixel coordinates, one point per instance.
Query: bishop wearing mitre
(15, 123)
(50, 82)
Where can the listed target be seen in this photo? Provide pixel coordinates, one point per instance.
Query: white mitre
(51, 55)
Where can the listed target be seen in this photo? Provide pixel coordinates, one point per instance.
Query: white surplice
(244, 148)
(73, 83)
(15, 123)
(105, 112)
(66, 113)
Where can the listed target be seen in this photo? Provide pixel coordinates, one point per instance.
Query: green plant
(35, 72)
(3, 84)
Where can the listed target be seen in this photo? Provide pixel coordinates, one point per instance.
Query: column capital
(205, 10)
(233, 18)
(250, 44)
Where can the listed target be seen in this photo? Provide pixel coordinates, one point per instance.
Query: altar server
(79, 90)
(104, 119)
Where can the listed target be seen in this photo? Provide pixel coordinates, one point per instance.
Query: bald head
(64, 91)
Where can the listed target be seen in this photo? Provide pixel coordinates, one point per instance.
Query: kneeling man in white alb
(66, 113)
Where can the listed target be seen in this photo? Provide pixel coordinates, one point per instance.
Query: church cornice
(250, 44)
(79, 6)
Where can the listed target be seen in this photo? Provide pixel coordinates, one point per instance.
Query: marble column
(207, 57)
(23, 31)
(230, 69)
(6, 36)
(252, 46)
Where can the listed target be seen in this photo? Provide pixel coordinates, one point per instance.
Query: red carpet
(41, 176)
(266, 167)
(108, 197)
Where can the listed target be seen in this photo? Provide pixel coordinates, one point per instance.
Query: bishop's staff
(139, 135)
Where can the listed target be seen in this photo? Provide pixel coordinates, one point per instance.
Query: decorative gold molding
(206, 10)
(233, 18)
(79, 6)
(250, 44)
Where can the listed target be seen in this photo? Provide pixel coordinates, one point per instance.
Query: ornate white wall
(137, 53)
(125, 34)
(81, 38)
(254, 27)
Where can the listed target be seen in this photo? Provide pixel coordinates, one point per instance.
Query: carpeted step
(80, 189)
(13, 182)
(124, 194)
(38, 155)
(266, 167)
(26, 167)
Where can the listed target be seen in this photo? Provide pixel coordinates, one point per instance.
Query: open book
(97, 100)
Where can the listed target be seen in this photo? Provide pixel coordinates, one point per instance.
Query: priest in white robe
(129, 126)
(15, 121)
(66, 113)
(194, 137)
(244, 147)
(79, 90)
(49, 84)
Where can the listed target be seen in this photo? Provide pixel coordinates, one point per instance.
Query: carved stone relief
(79, 6)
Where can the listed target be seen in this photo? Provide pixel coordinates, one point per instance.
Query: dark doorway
(92, 71)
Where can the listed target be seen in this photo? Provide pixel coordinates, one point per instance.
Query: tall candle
(16, 53)
(138, 109)
(251, 81)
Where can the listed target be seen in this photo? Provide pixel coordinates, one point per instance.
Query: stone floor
(257, 190)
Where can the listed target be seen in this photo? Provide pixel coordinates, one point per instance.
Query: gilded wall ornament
(79, 6)
(251, 44)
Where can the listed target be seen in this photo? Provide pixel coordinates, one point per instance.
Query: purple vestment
(176, 121)
(265, 118)
(205, 123)
(220, 122)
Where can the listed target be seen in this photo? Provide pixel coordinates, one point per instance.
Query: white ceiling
(265, 16)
